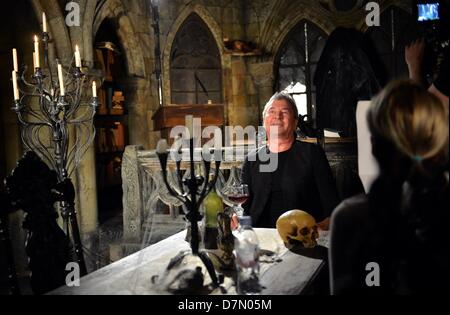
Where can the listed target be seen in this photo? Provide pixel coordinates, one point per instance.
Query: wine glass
(238, 194)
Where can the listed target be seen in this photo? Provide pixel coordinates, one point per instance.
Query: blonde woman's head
(410, 120)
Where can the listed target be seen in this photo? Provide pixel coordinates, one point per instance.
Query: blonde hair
(413, 120)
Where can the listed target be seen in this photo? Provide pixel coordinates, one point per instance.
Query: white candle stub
(36, 51)
(94, 89)
(77, 57)
(15, 88)
(161, 147)
(15, 62)
(44, 22)
(61, 81)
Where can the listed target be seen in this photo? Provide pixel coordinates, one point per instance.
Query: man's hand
(413, 57)
(324, 225)
(234, 222)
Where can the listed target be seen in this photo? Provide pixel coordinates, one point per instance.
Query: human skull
(297, 226)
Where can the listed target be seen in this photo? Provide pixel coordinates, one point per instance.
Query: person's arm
(440, 86)
(325, 184)
(444, 98)
(338, 254)
(413, 57)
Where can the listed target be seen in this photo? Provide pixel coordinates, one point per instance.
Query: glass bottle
(246, 252)
(212, 205)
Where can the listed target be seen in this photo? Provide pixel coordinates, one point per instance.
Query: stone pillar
(87, 207)
(262, 77)
(137, 98)
(132, 200)
(237, 112)
(87, 191)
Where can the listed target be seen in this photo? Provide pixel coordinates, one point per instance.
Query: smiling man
(302, 178)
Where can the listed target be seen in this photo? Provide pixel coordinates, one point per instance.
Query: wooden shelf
(243, 54)
(110, 154)
(329, 140)
(170, 116)
(109, 117)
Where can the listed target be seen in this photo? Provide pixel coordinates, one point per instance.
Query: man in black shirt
(302, 178)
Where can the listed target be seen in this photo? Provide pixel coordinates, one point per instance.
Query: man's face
(279, 120)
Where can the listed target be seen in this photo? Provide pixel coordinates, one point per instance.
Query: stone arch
(134, 59)
(87, 32)
(284, 18)
(215, 30)
(57, 27)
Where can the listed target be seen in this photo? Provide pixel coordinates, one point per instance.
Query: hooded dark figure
(33, 187)
(344, 76)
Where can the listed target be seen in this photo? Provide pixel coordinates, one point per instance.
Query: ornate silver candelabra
(56, 123)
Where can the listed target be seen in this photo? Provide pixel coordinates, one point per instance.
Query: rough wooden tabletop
(132, 275)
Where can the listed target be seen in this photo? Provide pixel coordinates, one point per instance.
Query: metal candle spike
(192, 199)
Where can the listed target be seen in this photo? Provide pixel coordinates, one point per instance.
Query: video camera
(428, 12)
(432, 21)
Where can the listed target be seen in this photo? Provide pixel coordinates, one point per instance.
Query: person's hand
(413, 57)
(234, 222)
(324, 225)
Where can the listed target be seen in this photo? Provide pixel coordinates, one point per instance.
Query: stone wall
(248, 80)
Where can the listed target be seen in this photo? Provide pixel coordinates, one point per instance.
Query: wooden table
(132, 275)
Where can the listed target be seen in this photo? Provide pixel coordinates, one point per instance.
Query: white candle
(190, 125)
(34, 60)
(161, 147)
(15, 63)
(36, 51)
(94, 89)
(77, 57)
(15, 88)
(61, 80)
(44, 22)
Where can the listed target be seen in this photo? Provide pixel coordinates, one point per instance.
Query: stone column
(86, 188)
(137, 98)
(132, 201)
(13, 150)
(262, 77)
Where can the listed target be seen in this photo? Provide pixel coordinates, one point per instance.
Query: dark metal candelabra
(198, 188)
(59, 128)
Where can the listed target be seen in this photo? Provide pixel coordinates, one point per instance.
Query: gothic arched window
(195, 65)
(296, 64)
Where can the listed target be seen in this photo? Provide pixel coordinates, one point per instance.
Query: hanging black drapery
(344, 76)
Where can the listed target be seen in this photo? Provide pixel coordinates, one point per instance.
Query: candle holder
(57, 124)
(198, 188)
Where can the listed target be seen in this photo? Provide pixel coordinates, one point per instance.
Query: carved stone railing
(146, 218)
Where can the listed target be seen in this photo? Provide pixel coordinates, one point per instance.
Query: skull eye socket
(304, 231)
(315, 233)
